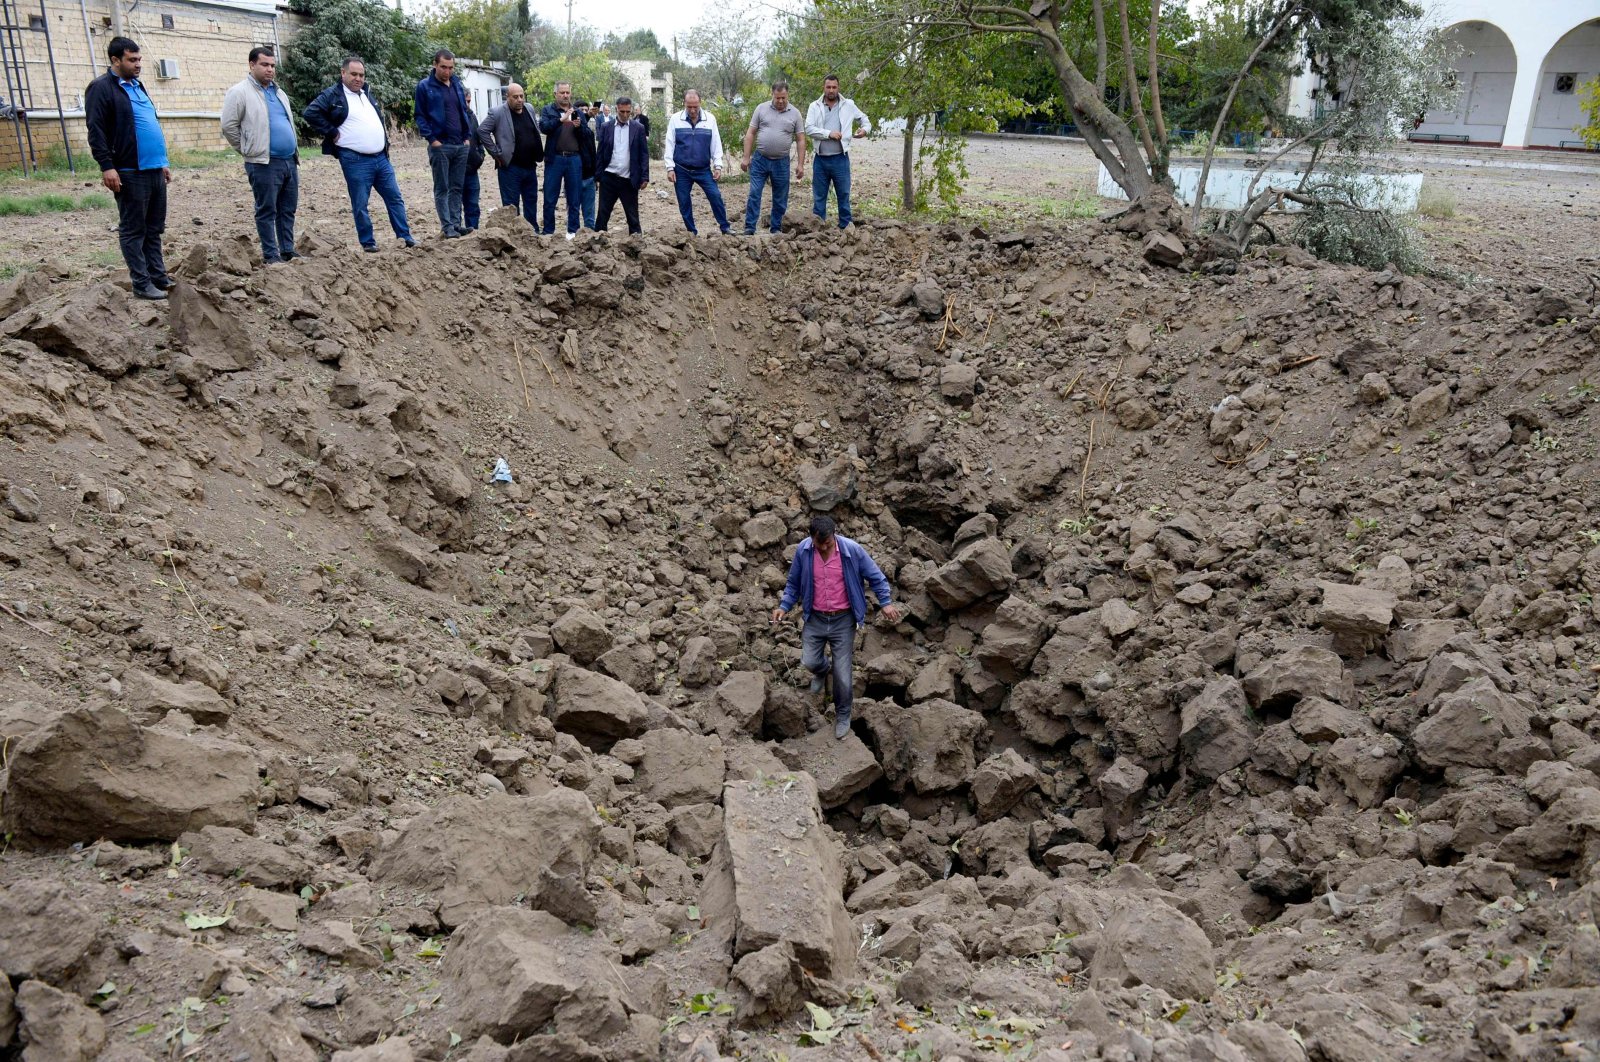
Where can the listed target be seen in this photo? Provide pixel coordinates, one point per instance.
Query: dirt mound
(1244, 706)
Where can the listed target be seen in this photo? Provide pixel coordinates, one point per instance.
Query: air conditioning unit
(166, 68)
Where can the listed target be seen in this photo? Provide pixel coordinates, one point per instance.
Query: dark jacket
(108, 118)
(329, 111)
(474, 147)
(550, 125)
(854, 564)
(498, 135)
(638, 151)
(430, 104)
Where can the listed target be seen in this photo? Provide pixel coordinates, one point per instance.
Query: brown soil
(1245, 707)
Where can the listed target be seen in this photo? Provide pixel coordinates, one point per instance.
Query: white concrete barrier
(1228, 182)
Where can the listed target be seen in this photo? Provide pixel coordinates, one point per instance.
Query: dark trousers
(590, 185)
(363, 175)
(520, 184)
(470, 190)
(276, 186)
(687, 179)
(448, 162)
(834, 170)
(141, 219)
(614, 189)
(837, 634)
(763, 169)
(562, 174)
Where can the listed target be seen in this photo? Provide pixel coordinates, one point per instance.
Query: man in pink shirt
(826, 577)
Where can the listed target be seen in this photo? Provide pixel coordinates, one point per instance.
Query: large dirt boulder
(786, 875)
(1011, 642)
(930, 747)
(513, 974)
(230, 853)
(1303, 671)
(981, 568)
(1358, 616)
(677, 767)
(1466, 727)
(1216, 734)
(151, 698)
(77, 325)
(1147, 942)
(56, 1026)
(215, 336)
(582, 635)
(48, 935)
(826, 487)
(472, 854)
(841, 769)
(595, 708)
(1000, 782)
(92, 772)
(739, 703)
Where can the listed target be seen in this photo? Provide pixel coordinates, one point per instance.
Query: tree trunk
(1109, 137)
(908, 152)
(1100, 49)
(1153, 76)
(1131, 84)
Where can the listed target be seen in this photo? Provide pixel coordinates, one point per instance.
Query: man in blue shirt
(441, 112)
(256, 122)
(126, 142)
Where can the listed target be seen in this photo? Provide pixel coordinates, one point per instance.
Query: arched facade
(1486, 75)
(1554, 47)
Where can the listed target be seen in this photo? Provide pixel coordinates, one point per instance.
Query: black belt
(830, 615)
(568, 154)
(774, 158)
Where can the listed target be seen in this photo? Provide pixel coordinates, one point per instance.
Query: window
(36, 22)
(166, 22)
(1566, 84)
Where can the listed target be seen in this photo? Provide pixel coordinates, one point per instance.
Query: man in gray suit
(510, 136)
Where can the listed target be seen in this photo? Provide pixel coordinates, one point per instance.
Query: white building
(652, 93)
(485, 84)
(1518, 73)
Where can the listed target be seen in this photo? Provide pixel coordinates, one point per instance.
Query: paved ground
(1495, 219)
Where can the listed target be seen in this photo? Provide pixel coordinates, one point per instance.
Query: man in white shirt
(351, 125)
(832, 122)
(622, 161)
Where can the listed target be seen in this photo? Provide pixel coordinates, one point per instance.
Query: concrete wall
(1485, 75)
(1556, 112)
(210, 44)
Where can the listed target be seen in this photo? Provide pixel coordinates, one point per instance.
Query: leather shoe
(841, 724)
(151, 292)
(370, 250)
(164, 283)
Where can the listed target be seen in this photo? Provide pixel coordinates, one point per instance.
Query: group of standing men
(612, 157)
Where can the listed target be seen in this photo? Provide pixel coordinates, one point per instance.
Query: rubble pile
(1244, 707)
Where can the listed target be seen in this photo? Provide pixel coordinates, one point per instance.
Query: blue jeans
(588, 202)
(363, 175)
(687, 179)
(521, 184)
(837, 633)
(763, 169)
(142, 218)
(470, 189)
(276, 186)
(562, 172)
(834, 169)
(449, 165)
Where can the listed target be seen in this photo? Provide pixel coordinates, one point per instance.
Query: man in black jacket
(127, 144)
(623, 165)
(568, 142)
(347, 117)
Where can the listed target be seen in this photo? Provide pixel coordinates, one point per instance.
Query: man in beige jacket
(257, 123)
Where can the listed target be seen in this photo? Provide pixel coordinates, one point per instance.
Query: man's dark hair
(830, 77)
(120, 46)
(624, 99)
(257, 53)
(780, 86)
(443, 53)
(351, 59)
(822, 528)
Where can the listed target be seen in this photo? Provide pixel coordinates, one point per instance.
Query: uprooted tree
(1359, 48)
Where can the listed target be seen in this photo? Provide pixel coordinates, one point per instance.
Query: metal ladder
(18, 86)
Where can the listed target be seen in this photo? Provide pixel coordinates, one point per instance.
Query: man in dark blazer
(622, 164)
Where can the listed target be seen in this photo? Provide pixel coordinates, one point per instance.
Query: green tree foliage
(591, 74)
(503, 31)
(895, 66)
(1194, 86)
(726, 45)
(395, 48)
(1589, 96)
(637, 44)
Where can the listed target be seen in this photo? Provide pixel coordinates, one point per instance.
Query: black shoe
(409, 244)
(164, 283)
(369, 250)
(453, 235)
(272, 261)
(289, 256)
(149, 291)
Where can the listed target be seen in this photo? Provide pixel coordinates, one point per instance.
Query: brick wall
(210, 44)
